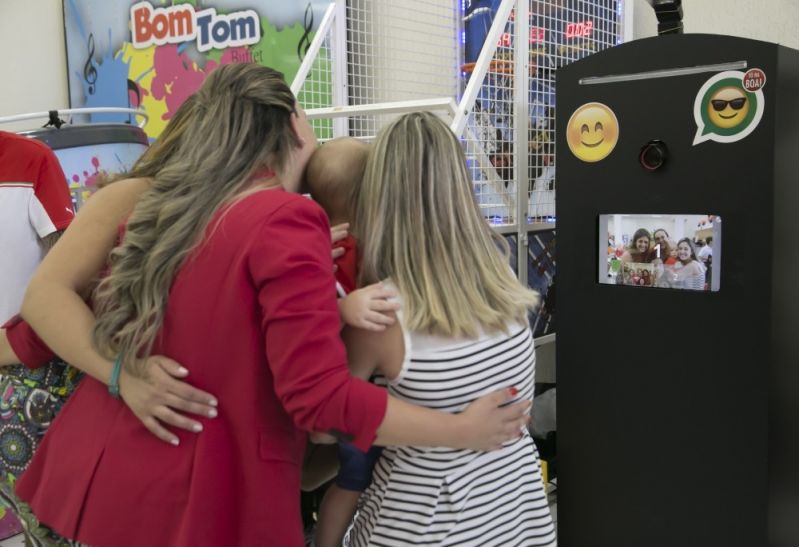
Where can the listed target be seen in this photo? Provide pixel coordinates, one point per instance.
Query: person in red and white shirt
(35, 207)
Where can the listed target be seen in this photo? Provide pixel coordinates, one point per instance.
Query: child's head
(333, 174)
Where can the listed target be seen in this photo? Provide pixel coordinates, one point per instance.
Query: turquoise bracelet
(113, 384)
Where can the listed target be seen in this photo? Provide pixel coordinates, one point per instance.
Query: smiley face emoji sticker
(592, 132)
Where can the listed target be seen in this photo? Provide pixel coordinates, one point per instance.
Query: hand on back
(160, 398)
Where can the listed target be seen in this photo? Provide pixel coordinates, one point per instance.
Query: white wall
(412, 47)
(33, 65)
(677, 226)
(401, 51)
(768, 20)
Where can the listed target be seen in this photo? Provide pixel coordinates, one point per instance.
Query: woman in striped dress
(688, 272)
(462, 333)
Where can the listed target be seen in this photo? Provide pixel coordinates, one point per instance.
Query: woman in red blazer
(226, 269)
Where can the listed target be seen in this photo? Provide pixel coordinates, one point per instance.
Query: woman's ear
(295, 129)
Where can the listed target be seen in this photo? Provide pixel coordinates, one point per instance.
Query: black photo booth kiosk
(678, 374)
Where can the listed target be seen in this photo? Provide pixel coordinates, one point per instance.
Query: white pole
(93, 110)
(339, 46)
(481, 66)
(628, 18)
(521, 108)
(445, 104)
(313, 50)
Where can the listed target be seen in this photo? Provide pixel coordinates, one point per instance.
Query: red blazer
(252, 314)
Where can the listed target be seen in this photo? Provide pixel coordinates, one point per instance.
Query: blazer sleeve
(292, 268)
(26, 344)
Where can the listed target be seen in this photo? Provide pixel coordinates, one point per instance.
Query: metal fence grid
(561, 32)
(317, 90)
(413, 50)
(489, 136)
(398, 51)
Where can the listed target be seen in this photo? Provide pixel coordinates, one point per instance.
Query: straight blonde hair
(236, 124)
(420, 226)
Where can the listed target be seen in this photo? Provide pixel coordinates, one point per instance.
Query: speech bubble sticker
(725, 111)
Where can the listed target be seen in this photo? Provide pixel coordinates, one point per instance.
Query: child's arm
(368, 308)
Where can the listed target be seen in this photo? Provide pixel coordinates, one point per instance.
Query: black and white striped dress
(439, 496)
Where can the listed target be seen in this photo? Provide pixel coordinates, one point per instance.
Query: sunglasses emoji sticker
(725, 110)
(728, 107)
(592, 132)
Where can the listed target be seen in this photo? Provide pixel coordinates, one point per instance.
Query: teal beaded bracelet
(113, 384)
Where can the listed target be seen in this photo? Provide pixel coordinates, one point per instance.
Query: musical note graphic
(133, 90)
(306, 37)
(89, 72)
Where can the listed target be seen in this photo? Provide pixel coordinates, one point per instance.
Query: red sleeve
(26, 344)
(51, 191)
(347, 271)
(293, 271)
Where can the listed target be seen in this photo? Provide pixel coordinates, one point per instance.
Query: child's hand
(337, 233)
(368, 308)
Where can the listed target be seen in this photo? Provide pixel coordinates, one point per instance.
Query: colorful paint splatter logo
(107, 70)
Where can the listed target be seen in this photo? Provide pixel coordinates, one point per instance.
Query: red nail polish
(514, 391)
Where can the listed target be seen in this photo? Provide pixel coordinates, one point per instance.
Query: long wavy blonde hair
(236, 124)
(157, 153)
(420, 226)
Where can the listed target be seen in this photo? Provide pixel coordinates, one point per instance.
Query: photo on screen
(681, 251)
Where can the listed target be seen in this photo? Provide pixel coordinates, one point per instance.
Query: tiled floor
(16, 541)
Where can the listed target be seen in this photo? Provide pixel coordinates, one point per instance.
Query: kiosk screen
(660, 251)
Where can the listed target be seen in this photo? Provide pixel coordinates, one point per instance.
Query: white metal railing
(443, 104)
(69, 111)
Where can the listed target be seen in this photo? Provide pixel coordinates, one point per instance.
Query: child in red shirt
(332, 176)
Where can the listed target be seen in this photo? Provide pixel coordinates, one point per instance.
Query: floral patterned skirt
(29, 401)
